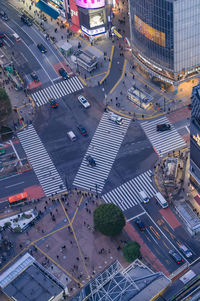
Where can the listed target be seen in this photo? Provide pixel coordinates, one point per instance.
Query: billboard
(90, 3)
(74, 13)
(149, 32)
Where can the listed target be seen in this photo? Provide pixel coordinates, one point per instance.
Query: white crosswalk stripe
(41, 162)
(59, 90)
(103, 148)
(163, 142)
(126, 196)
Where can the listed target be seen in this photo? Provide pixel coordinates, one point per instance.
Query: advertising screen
(97, 18)
(90, 3)
(150, 32)
(74, 13)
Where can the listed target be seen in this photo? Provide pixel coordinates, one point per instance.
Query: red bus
(18, 199)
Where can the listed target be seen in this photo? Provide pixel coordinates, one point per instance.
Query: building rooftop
(27, 280)
(135, 283)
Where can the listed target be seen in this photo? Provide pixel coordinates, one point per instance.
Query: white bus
(161, 200)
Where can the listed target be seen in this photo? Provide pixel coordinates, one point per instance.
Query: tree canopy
(131, 251)
(5, 105)
(109, 219)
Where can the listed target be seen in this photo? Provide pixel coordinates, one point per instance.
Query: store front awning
(47, 9)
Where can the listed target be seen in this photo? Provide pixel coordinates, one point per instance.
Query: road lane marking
(163, 233)
(167, 230)
(128, 220)
(151, 236)
(31, 50)
(121, 77)
(154, 232)
(109, 66)
(11, 143)
(168, 223)
(14, 184)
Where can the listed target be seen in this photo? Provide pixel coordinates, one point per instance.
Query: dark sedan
(41, 48)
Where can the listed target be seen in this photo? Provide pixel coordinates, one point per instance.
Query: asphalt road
(27, 56)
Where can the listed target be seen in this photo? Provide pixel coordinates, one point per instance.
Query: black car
(41, 48)
(53, 103)
(63, 73)
(163, 127)
(1, 43)
(176, 256)
(91, 161)
(82, 130)
(35, 77)
(140, 224)
(2, 35)
(26, 20)
(3, 15)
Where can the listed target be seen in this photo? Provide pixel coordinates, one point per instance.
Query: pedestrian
(77, 258)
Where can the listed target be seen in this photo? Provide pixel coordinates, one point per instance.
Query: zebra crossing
(41, 162)
(103, 148)
(163, 142)
(126, 195)
(56, 91)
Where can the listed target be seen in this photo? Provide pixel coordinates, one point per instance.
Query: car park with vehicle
(185, 251)
(41, 47)
(115, 118)
(91, 161)
(63, 73)
(140, 224)
(82, 130)
(177, 257)
(163, 127)
(83, 101)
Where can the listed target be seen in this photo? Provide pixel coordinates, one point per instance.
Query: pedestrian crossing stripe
(163, 142)
(103, 148)
(56, 91)
(127, 195)
(41, 162)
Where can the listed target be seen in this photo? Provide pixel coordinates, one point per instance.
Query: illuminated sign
(90, 3)
(93, 32)
(197, 139)
(149, 32)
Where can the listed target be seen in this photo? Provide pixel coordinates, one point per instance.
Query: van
(143, 197)
(161, 200)
(16, 37)
(116, 118)
(71, 136)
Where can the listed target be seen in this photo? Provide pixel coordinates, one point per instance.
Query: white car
(185, 251)
(84, 101)
(116, 118)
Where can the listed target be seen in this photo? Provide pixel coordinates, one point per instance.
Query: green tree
(5, 105)
(108, 219)
(131, 251)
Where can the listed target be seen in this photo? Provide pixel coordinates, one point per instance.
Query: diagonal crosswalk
(163, 142)
(59, 90)
(41, 162)
(126, 196)
(103, 148)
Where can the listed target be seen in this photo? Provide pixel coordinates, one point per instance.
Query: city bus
(161, 200)
(18, 199)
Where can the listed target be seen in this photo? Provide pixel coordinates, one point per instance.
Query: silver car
(84, 101)
(185, 251)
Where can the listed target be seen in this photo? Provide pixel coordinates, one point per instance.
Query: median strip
(121, 77)
(109, 66)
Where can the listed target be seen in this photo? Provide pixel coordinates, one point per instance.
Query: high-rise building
(165, 36)
(195, 138)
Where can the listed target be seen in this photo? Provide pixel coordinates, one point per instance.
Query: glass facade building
(195, 138)
(165, 37)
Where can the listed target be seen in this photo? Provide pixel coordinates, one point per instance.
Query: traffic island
(170, 174)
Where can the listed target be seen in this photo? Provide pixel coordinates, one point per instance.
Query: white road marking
(14, 184)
